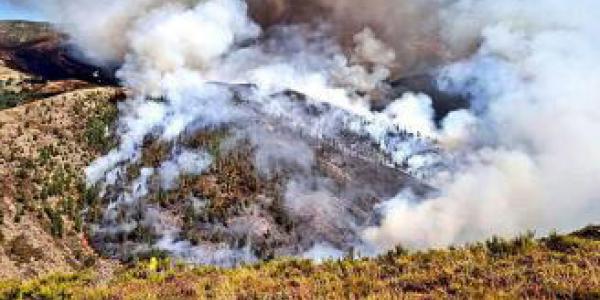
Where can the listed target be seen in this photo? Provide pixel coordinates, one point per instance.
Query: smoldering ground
(522, 155)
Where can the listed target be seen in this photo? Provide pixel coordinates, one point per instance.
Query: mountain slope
(564, 267)
(37, 48)
(55, 120)
(45, 145)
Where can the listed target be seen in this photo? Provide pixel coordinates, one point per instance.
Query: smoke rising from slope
(409, 27)
(533, 158)
(523, 156)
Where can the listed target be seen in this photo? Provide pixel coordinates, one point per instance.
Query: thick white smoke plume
(525, 154)
(532, 160)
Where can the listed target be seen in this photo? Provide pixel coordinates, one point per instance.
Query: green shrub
(590, 232)
(45, 154)
(500, 247)
(78, 223)
(9, 99)
(56, 222)
(562, 243)
(97, 133)
(59, 182)
(90, 195)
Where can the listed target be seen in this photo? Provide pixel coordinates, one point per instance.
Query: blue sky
(10, 12)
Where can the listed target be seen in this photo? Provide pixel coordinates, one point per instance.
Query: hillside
(38, 49)
(49, 141)
(556, 267)
(46, 143)
(47, 134)
(61, 238)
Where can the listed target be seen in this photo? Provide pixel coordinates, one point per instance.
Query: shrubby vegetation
(97, 132)
(559, 266)
(46, 150)
(10, 98)
(49, 186)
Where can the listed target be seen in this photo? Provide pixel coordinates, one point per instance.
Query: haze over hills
(43, 94)
(146, 156)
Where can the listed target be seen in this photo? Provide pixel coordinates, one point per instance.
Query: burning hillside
(274, 128)
(38, 49)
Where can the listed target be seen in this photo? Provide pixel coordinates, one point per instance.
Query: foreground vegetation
(559, 266)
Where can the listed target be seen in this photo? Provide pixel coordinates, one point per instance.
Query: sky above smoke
(524, 156)
(10, 11)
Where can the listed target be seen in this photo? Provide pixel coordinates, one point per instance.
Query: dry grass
(527, 269)
(43, 154)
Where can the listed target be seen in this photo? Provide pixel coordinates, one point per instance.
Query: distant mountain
(37, 48)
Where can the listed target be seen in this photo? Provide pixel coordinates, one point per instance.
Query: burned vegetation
(266, 189)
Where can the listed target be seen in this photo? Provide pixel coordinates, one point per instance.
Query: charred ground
(57, 119)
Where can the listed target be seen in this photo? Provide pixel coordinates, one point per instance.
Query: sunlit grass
(560, 266)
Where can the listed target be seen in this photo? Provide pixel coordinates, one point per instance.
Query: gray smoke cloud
(179, 62)
(407, 26)
(523, 156)
(531, 159)
(410, 27)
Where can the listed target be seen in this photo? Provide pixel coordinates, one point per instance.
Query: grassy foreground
(559, 266)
